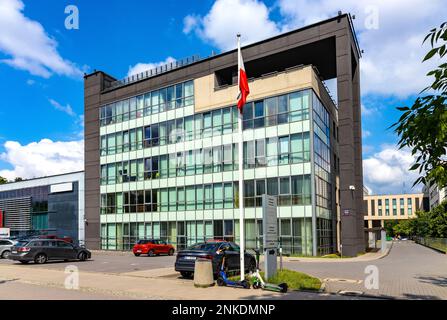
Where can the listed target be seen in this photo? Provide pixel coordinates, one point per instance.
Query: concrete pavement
(127, 286)
(409, 271)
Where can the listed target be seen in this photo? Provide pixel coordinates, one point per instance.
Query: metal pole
(241, 197)
(280, 258)
(241, 175)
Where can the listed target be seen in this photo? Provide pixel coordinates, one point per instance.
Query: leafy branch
(423, 126)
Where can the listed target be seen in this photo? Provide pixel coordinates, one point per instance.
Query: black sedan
(213, 251)
(42, 250)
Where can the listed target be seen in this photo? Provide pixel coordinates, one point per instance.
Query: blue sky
(41, 66)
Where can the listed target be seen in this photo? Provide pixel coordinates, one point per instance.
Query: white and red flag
(244, 90)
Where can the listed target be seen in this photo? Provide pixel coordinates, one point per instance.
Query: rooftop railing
(154, 72)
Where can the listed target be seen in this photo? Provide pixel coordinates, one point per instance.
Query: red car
(152, 248)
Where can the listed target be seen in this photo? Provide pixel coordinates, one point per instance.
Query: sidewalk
(139, 285)
(370, 256)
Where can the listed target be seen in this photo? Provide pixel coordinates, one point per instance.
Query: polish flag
(244, 90)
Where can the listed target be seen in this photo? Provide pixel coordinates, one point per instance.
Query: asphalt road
(108, 262)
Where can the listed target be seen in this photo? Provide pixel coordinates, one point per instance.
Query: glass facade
(173, 97)
(175, 179)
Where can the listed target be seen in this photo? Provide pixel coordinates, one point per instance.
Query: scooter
(258, 282)
(223, 280)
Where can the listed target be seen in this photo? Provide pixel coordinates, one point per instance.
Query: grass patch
(295, 280)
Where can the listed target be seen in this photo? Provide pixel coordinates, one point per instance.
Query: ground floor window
(295, 234)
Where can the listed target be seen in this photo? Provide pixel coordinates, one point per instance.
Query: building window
(410, 207)
(402, 206)
(288, 108)
(387, 207)
(394, 207)
(177, 96)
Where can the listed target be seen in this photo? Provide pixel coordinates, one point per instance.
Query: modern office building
(381, 208)
(49, 205)
(161, 146)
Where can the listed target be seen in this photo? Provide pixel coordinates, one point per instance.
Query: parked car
(152, 247)
(214, 251)
(54, 237)
(5, 248)
(42, 250)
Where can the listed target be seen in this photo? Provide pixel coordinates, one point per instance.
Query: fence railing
(435, 243)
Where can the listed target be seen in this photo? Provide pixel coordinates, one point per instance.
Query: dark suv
(42, 250)
(214, 251)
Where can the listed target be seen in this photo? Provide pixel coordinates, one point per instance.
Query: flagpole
(241, 171)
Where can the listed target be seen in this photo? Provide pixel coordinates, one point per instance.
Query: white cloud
(67, 108)
(227, 18)
(28, 46)
(43, 158)
(369, 111)
(190, 22)
(391, 64)
(366, 133)
(142, 67)
(388, 170)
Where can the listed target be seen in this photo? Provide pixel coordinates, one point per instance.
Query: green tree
(17, 179)
(3, 180)
(438, 221)
(389, 227)
(404, 227)
(423, 126)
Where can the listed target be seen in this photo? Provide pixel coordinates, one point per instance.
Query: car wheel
(151, 253)
(171, 252)
(5, 254)
(137, 254)
(186, 274)
(40, 258)
(82, 256)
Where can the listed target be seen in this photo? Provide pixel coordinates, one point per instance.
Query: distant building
(379, 208)
(49, 205)
(435, 195)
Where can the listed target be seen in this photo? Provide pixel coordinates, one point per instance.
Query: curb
(323, 286)
(387, 251)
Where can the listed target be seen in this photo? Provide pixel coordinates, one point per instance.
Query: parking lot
(107, 262)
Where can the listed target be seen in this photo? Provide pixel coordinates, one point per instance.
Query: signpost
(270, 234)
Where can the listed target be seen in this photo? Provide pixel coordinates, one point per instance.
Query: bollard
(203, 273)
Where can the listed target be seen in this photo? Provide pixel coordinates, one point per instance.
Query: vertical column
(358, 158)
(92, 90)
(351, 188)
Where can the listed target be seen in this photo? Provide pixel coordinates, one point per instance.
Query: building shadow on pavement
(411, 296)
(438, 281)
